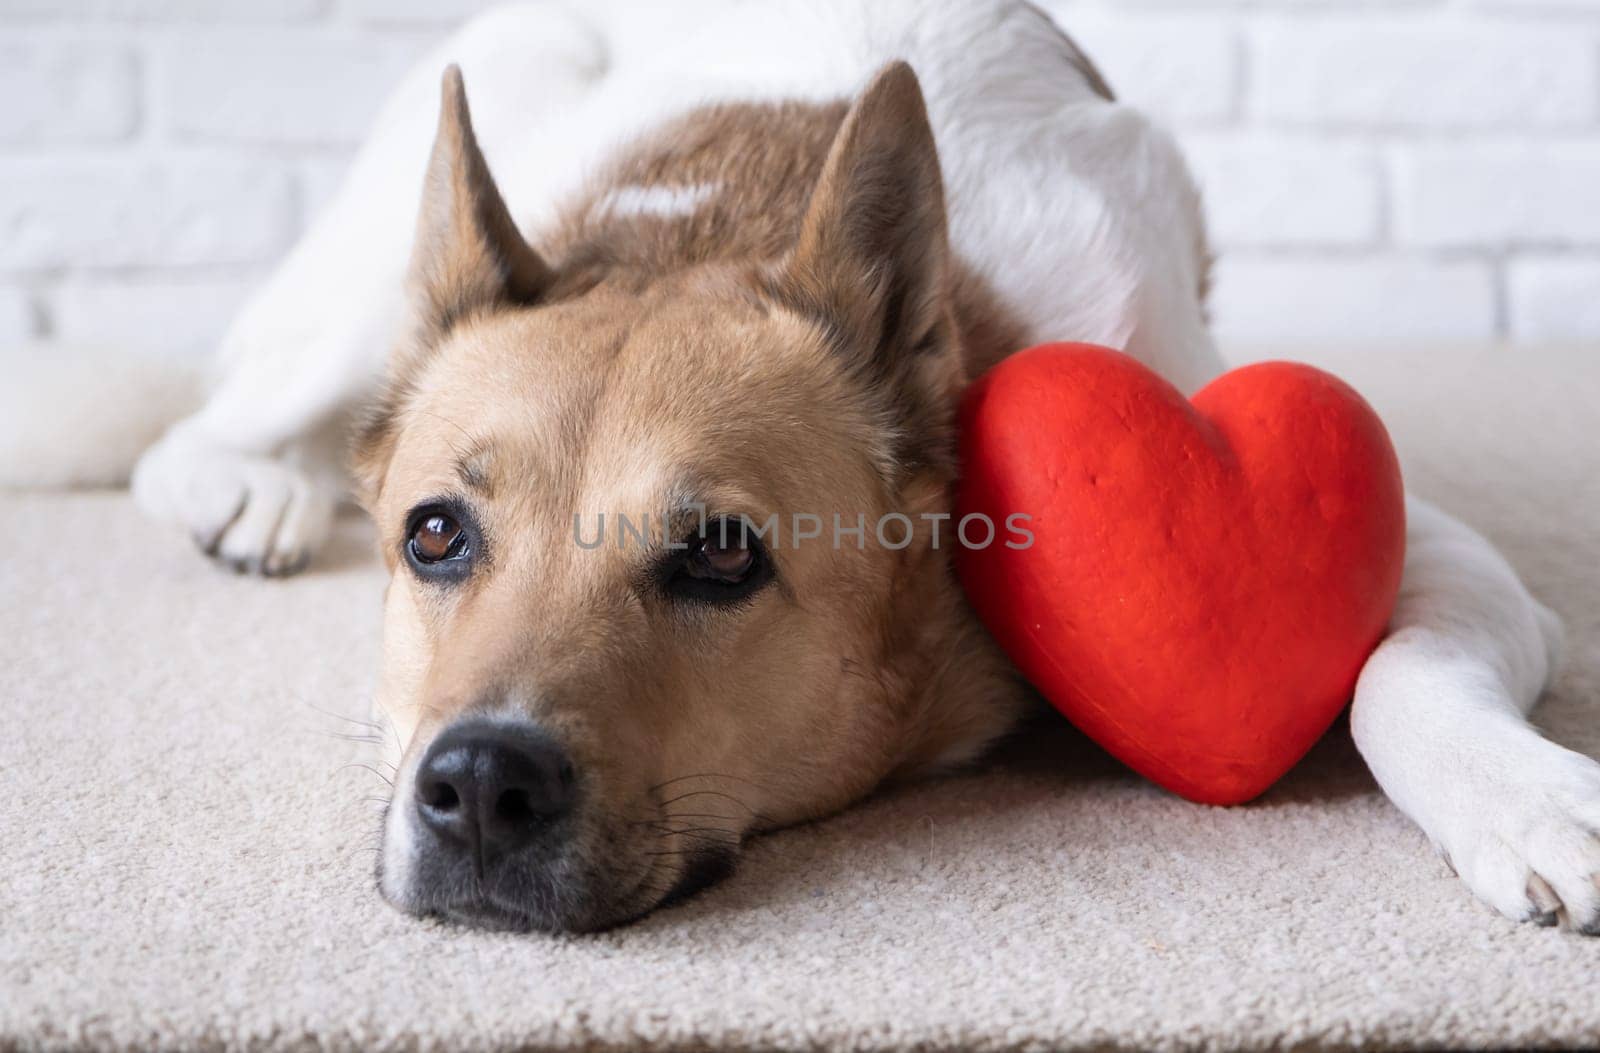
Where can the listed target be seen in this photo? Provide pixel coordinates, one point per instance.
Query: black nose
(490, 788)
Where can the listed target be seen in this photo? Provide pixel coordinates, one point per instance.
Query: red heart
(1205, 579)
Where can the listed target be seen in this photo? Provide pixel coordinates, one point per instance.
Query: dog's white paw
(1530, 846)
(256, 514)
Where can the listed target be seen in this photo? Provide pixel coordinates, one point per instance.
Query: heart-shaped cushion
(1206, 578)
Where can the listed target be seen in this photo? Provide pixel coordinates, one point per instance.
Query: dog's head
(611, 649)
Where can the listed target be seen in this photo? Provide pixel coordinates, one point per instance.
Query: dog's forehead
(628, 403)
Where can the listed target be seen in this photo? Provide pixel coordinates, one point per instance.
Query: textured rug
(186, 842)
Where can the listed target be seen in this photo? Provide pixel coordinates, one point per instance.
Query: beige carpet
(185, 861)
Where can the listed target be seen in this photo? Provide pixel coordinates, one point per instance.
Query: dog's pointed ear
(468, 252)
(873, 257)
(468, 256)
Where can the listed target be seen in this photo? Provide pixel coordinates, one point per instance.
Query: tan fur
(795, 345)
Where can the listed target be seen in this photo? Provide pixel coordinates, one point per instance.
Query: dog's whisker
(364, 767)
(338, 716)
(705, 838)
(708, 836)
(658, 815)
(700, 838)
(702, 815)
(665, 829)
(690, 819)
(446, 420)
(351, 738)
(707, 775)
(714, 793)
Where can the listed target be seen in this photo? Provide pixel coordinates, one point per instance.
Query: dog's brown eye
(722, 558)
(435, 538)
(725, 565)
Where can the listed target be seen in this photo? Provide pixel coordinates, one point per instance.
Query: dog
(742, 269)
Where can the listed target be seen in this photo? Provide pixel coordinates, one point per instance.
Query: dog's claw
(255, 514)
(1530, 852)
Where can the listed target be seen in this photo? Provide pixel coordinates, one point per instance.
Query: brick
(91, 213)
(1282, 303)
(167, 10)
(1181, 69)
(16, 316)
(1271, 192)
(67, 92)
(185, 317)
(1554, 300)
(279, 88)
(1470, 195)
(1423, 73)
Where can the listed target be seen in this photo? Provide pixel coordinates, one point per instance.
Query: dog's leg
(1440, 715)
(255, 475)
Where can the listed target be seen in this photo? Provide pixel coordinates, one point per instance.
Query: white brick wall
(1553, 298)
(1378, 172)
(68, 213)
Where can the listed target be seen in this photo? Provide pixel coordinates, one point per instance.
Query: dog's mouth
(704, 868)
(487, 915)
(563, 894)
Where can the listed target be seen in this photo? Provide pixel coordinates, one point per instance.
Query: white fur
(1439, 715)
(1079, 213)
(400, 833)
(661, 202)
